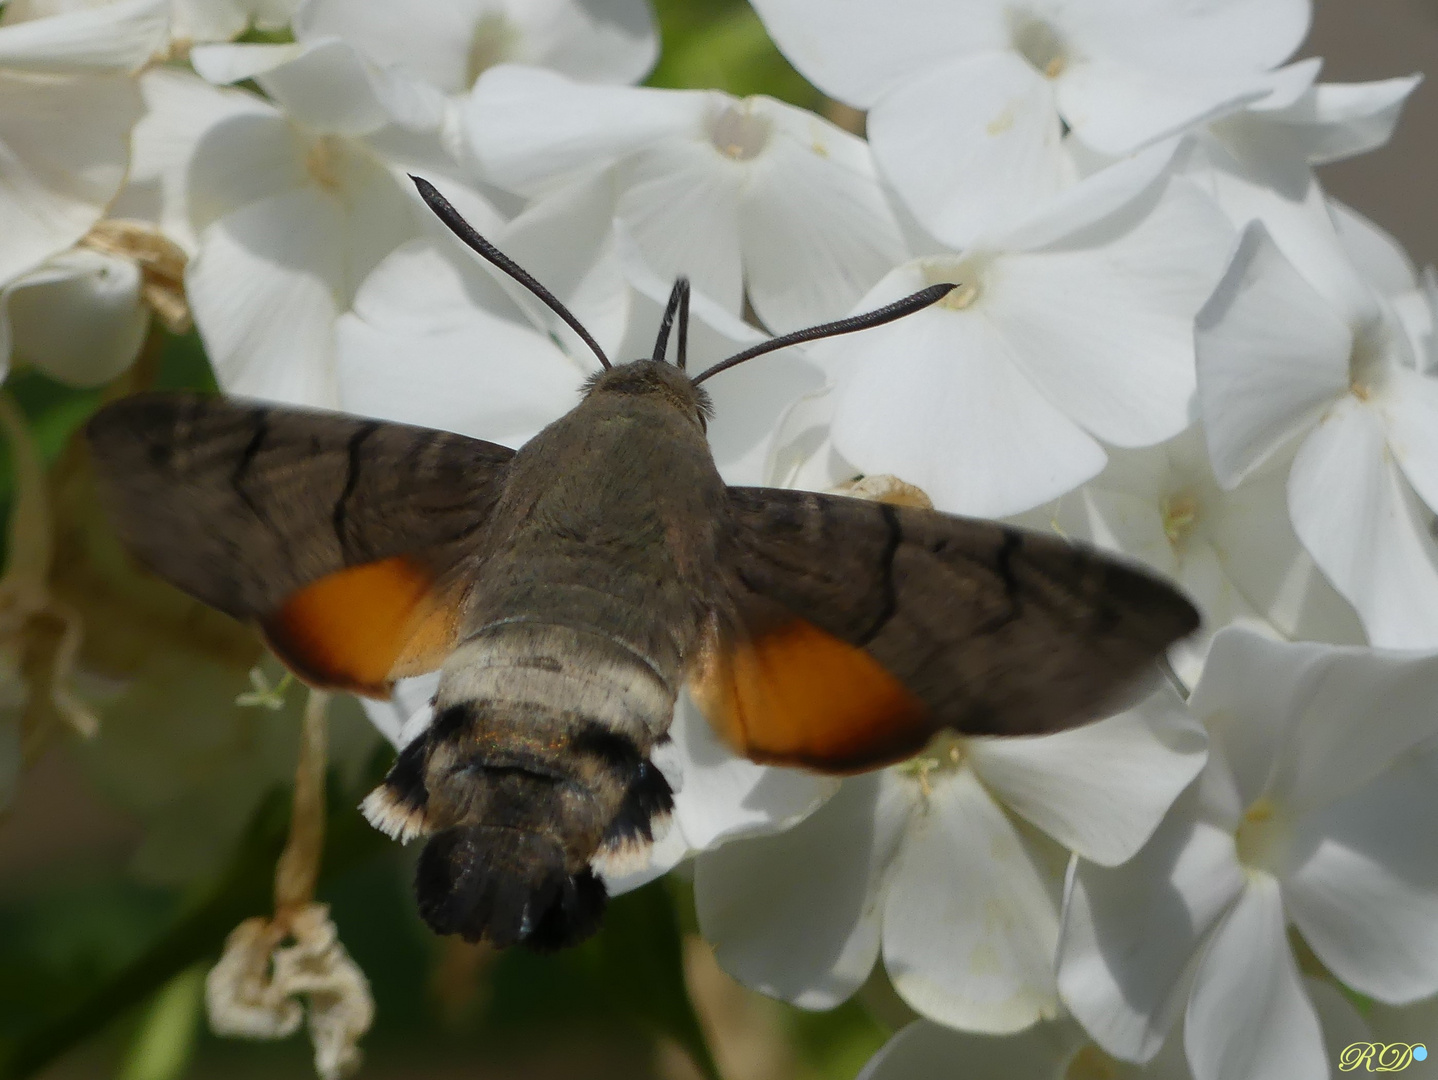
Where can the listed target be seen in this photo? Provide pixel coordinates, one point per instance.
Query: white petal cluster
(1164, 339)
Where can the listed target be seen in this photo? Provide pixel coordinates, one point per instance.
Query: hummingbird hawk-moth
(568, 590)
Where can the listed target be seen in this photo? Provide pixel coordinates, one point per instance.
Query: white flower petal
(929, 1051)
(937, 400)
(1107, 330)
(418, 349)
(180, 108)
(593, 40)
(78, 318)
(722, 795)
(1341, 120)
(1365, 528)
(253, 154)
(1248, 1015)
(115, 37)
(1088, 201)
(815, 227)
(681, 206)
(1362, 711)
(802, 454)
(1410, 408)
(448, 42)
(1206, 37)
(1116, 107)
(1272, 356)
(796, 915)
(567, 241)
(64, 148)
(1130, 931)
(325, 85)
(1254, 172)
(226, 63)
(857, 50)
(1364, 892)
(534, 131)
(1376, 254)
(263, 290)
(1102, 789)
(971, 916)
(974, 170)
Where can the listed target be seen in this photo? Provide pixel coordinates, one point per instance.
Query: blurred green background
(118, 883)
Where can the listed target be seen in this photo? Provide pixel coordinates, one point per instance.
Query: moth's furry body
(592, 590)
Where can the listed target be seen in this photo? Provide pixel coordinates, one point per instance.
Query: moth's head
(657, 379)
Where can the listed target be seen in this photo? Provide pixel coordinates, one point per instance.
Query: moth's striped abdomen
(537, 761)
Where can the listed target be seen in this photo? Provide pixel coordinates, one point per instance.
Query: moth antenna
(682, 345)
(467, 232)
(878, 317)
(678, 302)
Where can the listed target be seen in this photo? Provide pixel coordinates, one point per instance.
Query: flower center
(965, 274)
(1180, 514)
(323, 161)
(1262, 836)
(740, 133)
(495, 40)
(946, 753)
(1038, 43)
(1366, 361)
(1091, 1063)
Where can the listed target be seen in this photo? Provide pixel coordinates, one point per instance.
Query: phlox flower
(68, 100)
(1317, 754)
(449, 43)
(1062, 1050)
(295, 201)
(949, 865)
(1233, 553)
(968, 101)
(1074, 330)
(1301, 343)
(739, 195)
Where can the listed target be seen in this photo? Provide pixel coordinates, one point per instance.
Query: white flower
(966, 100)
(1316, 751)
(1073, 331)
(67, 104)
(950, 864)
(432, 340)
(1233, 553)
(926, 1051)
(1310, 351)
(735, 194)
(449, 43)
(1257, 163)
(78, 318)
(297, 202)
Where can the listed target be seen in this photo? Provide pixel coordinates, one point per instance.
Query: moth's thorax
(609, 520)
